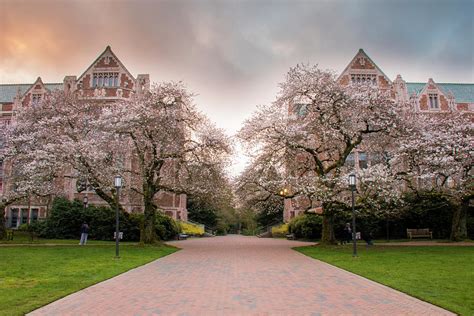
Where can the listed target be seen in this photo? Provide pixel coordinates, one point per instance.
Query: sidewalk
(236, 275)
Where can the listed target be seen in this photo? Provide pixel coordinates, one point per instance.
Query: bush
(306, 226)
(66, 217)
(166, 227)
(222, 228)
(191, 229)
(280, 231)
(426, 210)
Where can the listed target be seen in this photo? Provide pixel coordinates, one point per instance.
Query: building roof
(463, 92)
(9, 91)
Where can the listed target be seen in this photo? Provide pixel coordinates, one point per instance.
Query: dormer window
(105, 79)
(434, 105)
(36, 98)
(364, 79)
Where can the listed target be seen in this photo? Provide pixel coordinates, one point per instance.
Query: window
(13, 217)
(34, 215)
(364, 78)
(350, 160)
(83, 185)
(362, 160)
(105, 79)
(24, 216)
(301, 109)
(433, 101)
(35, 98)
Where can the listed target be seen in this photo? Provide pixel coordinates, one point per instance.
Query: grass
(441, 275)
(24, 238)
(31, 277)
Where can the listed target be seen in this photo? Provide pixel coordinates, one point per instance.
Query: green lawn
(442, 275)
(24, 238)
(32, 276)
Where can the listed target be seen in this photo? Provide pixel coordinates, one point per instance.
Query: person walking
(84, 233)
(347, 233)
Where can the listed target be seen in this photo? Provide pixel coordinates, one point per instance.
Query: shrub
(166, 227)
(306, 226)
(66, 217)
(280, 231)
(427, 210)
(191, 229)
(222, 228)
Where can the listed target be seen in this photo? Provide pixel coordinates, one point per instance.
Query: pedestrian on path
(347, 233)
(84, 233)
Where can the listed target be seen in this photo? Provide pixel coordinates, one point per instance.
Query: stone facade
(105, 80)
(430, 97)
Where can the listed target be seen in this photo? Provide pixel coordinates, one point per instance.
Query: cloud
(234, 53)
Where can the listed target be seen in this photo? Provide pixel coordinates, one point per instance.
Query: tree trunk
(149, 232)
(459, 223)
(3, 229)
(328, 236)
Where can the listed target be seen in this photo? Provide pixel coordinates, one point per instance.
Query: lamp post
(352, 185)
(118, 185)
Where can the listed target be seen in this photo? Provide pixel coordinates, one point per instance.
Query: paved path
(237, 275)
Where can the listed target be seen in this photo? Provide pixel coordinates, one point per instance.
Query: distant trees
(257, 188)
(213, 206)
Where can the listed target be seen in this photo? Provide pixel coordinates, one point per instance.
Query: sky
(233, 54)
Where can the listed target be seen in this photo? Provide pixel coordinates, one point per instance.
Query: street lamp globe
(352, 180)
(118, 182)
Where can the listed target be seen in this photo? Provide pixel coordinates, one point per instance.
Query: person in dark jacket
(84, 233)
(347, 233)
(367, 237)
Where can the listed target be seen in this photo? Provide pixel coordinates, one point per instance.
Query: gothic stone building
(429, 97)
(106, 79)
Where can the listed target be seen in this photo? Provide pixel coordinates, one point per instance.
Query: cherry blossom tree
(26, 176)
(438, 155)
(311, 129)
(62, 131)
(174, 147)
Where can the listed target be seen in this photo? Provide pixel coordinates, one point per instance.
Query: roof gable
(8, 92)
(362, 62)
(106, 60)
(462, 92)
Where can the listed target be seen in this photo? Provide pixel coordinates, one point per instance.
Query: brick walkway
(237, 275)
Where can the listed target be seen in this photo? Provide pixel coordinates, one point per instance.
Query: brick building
(106, 79)
(429, 97)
